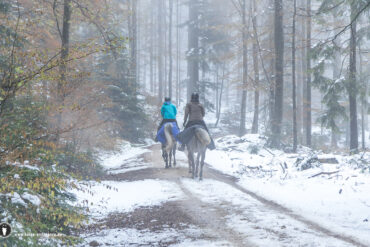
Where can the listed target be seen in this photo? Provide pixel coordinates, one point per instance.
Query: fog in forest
(83, 78)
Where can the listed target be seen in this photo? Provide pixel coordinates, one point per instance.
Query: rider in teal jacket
(168, 112)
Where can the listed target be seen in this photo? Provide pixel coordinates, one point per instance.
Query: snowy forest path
(227, 213)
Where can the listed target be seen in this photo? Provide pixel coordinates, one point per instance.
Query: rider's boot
(212, 145)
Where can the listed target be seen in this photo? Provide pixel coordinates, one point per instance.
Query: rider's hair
(167, 99)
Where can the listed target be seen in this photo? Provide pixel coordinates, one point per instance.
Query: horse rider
(194, 114)
(168, 112)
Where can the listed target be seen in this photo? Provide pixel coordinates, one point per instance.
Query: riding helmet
(194, 97)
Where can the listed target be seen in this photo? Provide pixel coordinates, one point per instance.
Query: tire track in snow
(218, 220)
(232, 181)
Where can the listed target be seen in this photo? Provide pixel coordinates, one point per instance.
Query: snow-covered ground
(335, 196)
(112, 196)
(338, 198)
(124, 159)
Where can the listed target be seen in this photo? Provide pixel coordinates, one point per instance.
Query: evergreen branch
(367, 5)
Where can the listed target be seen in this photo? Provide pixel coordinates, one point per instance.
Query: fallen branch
(324, 173)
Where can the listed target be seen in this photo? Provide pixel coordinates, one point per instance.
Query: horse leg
(191, 159)
(165, 157)
(202, 164)
(197, 165)
(174, 155)
(170, 158)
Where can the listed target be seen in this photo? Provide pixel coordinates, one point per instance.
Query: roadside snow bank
(124, 160)
(110, 196)
(330, 189)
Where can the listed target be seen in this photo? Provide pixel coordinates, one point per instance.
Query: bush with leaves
(33, 180)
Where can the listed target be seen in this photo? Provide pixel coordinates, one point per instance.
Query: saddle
(175, 131)
(188, 133)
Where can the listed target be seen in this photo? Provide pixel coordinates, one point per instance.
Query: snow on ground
(165, 237)
(339, 200)
(253, 219)
(124, 160)
(110, 196)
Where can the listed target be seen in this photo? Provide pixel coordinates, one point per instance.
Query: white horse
(198, 144)
(169, 149)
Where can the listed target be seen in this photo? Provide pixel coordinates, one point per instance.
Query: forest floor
(139, 203)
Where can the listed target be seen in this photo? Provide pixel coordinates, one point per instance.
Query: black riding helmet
(195, 97)
(167, 99)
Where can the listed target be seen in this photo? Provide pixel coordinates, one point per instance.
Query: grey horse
(169, 149)
(198, 144)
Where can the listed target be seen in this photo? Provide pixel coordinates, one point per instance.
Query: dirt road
(213, 212)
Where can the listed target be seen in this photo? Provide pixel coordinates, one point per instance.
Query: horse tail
(203, 136)
(168, 135)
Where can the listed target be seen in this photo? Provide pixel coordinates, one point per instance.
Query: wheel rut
(212, 218)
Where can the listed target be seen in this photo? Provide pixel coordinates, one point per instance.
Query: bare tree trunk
(256, 72)
(242, 129)
(304, 75)
(279, 74)
(352, 87)
(193, 58)
(152, 50)
(220, 95)
(136, 17)
(217, 87)
(133, 44)
(170, 50)
(295, 139)
(308, 102)
(160, 50)
(178, 45)
(63, 67)
(271, 96)
(363, 103)
(336, 74)
(300, 36)
(165, 50)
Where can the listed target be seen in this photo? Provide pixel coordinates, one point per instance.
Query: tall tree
(152, 50)
(352, 84)
(178, 46)
(295, 139)
(279, 73)
(133, 43)
(242, 129)
(308, 110)
(161, 40)
(170, 49)
(256, 71)
(193, 48)
(67, 12)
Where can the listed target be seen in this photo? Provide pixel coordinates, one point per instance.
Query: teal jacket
(168, 110)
